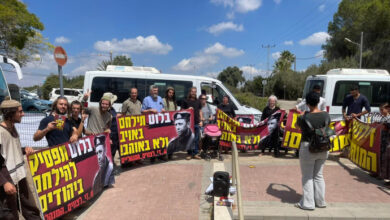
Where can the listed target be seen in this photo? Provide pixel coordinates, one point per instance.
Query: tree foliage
(356, 16)
(118, 60)
(284, 62)
(19, 32)
(254, 86)
(231, 76)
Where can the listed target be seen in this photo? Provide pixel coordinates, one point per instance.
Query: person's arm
(145, 107)
(323, 104)
(123, 109)
(344, 107)
(42, 130)
(301, 106)
(75, 135)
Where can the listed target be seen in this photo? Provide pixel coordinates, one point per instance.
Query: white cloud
(212, 74)
(195, 63)
(251, 71)
(321, 8)
(244, 6)
(288, 42)
(315, 39)
(41, 62)
(320, 53)
(218, 48)
(276, 55)
(140, 44)
(62, 40)
(241, 6)
(277, 1)
(225, 26)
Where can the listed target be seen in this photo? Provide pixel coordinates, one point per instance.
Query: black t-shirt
(268, 112)
(75, 123)
(317, 120)
(228, 109)
(195, 104)
(56, 137)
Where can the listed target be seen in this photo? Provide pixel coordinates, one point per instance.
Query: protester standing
(76, 109)
(312, 164)
(226, 107)
(270, 108)
(153, 104)
(321, 105)
(99, 119)
(207, 114)
(354, 104)
(14, 190)
(56, 127)
(169, 100)
(193, 103)
(132, 106)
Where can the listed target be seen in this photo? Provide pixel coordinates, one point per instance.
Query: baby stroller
(210, 142)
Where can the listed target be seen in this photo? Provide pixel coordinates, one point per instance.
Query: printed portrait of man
(271, 140)
(185, 137)
(104, 177)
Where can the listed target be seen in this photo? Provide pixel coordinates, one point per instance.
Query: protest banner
(247, 136)
(365, 141)
(151, 135)
(292, 133)
(68, 175)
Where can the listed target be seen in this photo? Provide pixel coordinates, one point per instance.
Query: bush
(249, 99)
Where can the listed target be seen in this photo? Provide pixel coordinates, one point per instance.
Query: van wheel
(32, 109)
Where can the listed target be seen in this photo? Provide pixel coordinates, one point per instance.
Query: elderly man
(152, 103)
(104, 176)
(14, 190)
(56, 127)
(185, 138)
(132, 106)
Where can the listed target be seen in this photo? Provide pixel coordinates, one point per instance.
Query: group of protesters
(66, 121)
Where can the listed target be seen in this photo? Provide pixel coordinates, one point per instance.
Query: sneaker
(188, 157)
(197, 157)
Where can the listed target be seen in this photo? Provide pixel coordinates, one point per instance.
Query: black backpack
(320, 137)
(221, 183)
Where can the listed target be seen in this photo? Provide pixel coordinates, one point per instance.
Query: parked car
(27, 93)
(70, 94)
(33, 104)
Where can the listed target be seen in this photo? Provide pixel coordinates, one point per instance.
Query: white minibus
(120, 79)
(336, 84)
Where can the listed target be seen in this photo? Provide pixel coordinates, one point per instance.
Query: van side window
(377, 93)
(181, 88)
(214, 94)
(310, 84)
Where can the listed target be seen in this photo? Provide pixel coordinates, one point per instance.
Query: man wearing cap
(132, 106)
(321, 105)
(104, 177)
(14, 190)
(99, 119)
(355, 103)
(56, 127)
(185, 138)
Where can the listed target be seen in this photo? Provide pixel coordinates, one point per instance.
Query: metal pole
(361, 48)
(238, 183)
(61, 83)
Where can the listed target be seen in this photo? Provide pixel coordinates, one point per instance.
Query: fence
(28, 127)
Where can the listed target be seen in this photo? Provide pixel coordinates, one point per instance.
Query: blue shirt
(356, 106)
(150, 103)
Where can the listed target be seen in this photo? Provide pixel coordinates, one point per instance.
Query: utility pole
(111, 57)
(268, 47)
(361, 49)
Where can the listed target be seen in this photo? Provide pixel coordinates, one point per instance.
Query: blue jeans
(195, 151)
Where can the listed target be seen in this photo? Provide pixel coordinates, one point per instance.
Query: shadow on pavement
(285, 193)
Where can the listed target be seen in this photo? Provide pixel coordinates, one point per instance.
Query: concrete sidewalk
(270, 187)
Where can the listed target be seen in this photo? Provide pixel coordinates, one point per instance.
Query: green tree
(356, 16)
(231, 76)
(284, 62)
(118, 60)
(19, 31)
(52, 81)
(254, 86)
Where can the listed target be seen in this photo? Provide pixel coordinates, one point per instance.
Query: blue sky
(196, 37)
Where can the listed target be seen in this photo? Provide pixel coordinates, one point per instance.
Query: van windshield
(3, 87)
(215, 94)
(377, 93)
(310, 84)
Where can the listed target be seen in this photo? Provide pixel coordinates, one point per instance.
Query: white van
(373, 83)
(120, 79)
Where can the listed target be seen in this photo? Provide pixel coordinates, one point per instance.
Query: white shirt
(303, 107)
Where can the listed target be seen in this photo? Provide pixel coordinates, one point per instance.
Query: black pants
(9, 203)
